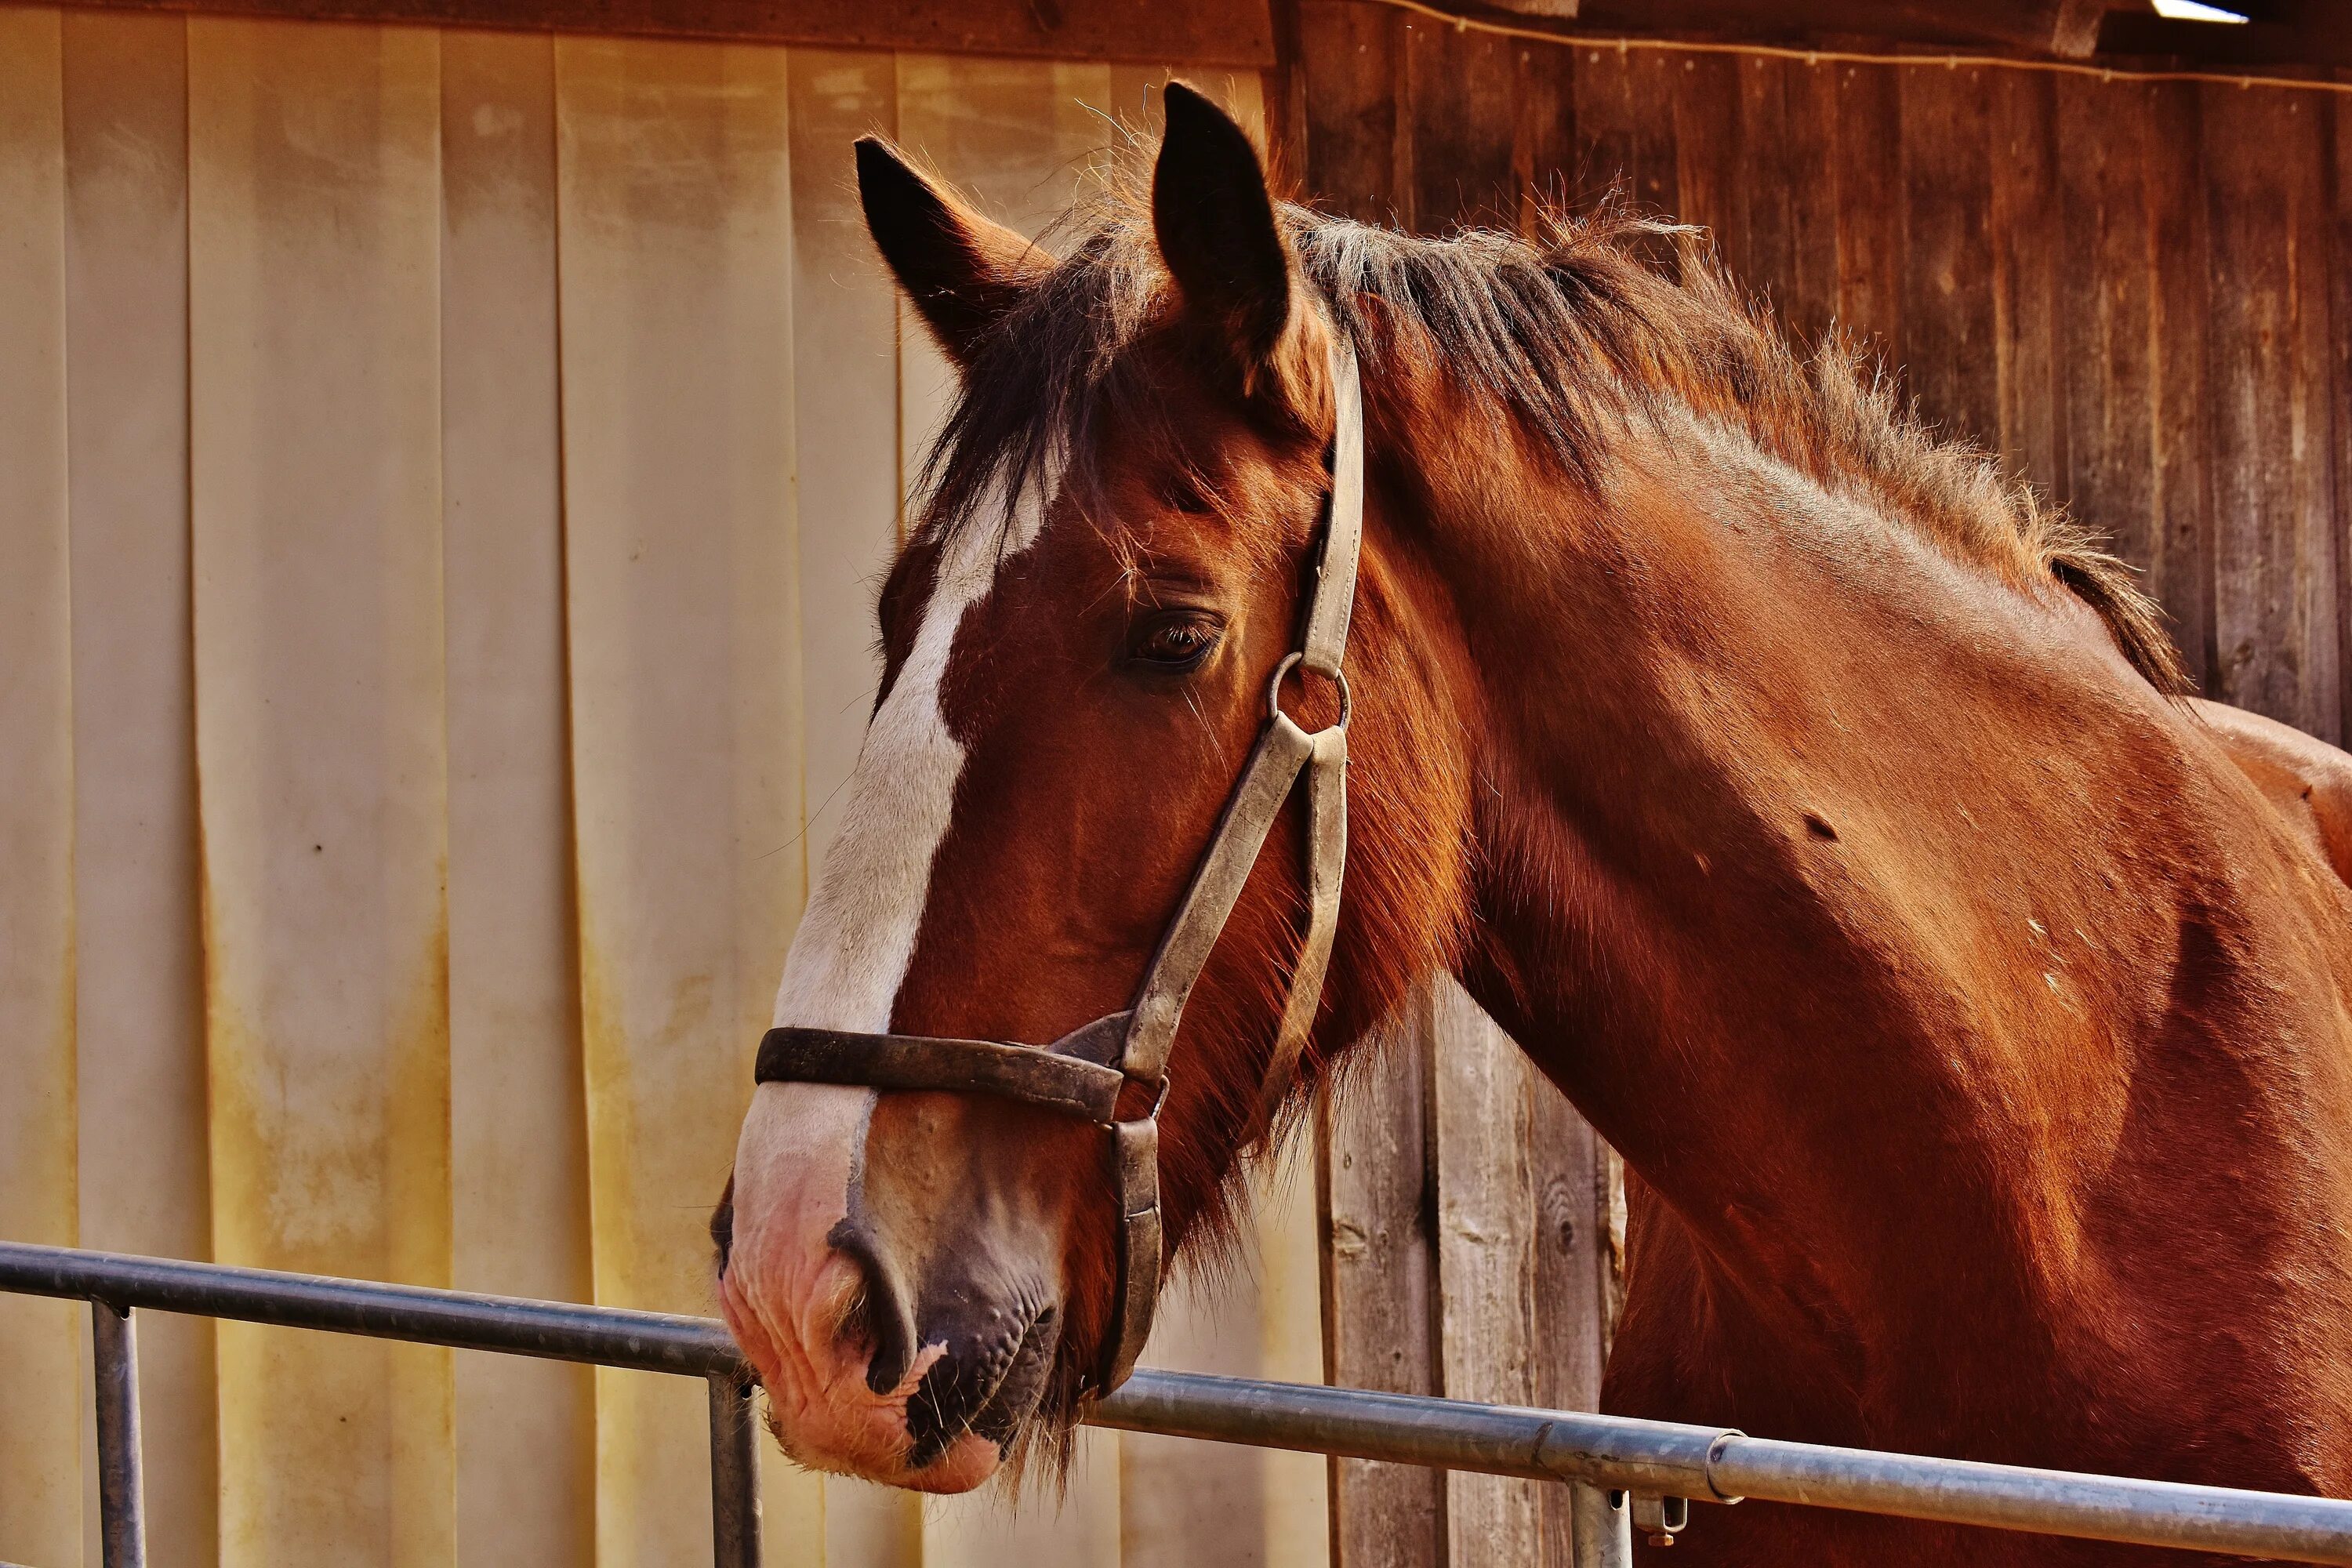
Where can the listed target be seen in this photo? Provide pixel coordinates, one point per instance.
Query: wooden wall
(443, 479)
(2139, 294)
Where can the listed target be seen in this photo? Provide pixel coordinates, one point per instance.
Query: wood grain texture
(2180, 571)
(1461, 89)
(2339, 269)
(1355, 54)
(40, 1342)
(2029, 279)
(1225, 32)
(138, 942)
(1378, 1282)
(2275, 604)
(1869, 207)
(1489, 1208)
(2102, 329)
(1946, 268)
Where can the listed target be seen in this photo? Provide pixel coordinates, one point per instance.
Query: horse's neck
(1840, 885)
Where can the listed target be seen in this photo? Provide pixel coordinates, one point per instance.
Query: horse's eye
(1174, 642)
(1182, 493)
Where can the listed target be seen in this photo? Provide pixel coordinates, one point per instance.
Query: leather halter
(1081, 1074)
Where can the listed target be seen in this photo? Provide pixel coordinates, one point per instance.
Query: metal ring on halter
(1291, 662)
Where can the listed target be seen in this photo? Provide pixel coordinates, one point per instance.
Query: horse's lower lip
(1016, 1394)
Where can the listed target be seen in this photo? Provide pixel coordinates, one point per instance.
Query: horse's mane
(1607, 318)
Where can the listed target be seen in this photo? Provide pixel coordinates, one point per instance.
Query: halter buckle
(1293, 660)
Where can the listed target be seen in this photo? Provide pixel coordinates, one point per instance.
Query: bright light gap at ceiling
(2191, 10)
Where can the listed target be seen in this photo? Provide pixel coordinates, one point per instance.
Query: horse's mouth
(988, 1396)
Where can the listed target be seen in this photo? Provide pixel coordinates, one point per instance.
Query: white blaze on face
(859, 932)
(801, 1143)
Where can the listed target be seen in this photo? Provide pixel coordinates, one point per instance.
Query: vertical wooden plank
(1354, 54)
(674, 202)
(519, 1160)
(2339, 268)
(1768, 256)
(1870, 207)
(139, 955)
(1019, 136)
(1460, 85)
(1947, 311)
(1706, 102)
(2180, 570)
(1605, 138)
(1575, 1274)
(1543, 152)
(314, 376)
(2276, 595)
(2029, 279)
(846, 422)
(1375, 1191)
(2104, 323)
(1810, 92)
(41, 1477)
(1481, 1111)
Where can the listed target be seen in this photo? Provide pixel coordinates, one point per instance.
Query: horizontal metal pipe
(650, 1342)
(2050, 1502)
(1411, 1429)
(1700, 1462)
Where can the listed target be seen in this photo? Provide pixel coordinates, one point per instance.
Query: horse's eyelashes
(1174, 643)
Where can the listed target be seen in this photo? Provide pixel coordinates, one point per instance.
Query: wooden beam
(1201, 32)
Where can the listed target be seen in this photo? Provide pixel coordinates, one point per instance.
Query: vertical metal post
(1604, 1527)
(122, 1505)
(734, 1474)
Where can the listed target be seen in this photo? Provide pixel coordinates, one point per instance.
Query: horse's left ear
(1214, 221)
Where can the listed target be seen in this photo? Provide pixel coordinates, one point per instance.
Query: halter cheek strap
(1081, 1074)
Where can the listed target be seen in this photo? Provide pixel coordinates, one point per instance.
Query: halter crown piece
(1081, 1074)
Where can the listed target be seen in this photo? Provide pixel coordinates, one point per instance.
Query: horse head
(1078, 643)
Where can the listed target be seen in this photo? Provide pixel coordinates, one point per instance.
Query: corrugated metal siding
(446, 476)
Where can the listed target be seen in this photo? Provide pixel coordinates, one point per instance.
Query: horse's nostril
(879, 1316)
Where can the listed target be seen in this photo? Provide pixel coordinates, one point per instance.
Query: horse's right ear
(963, 272)
(1213, 217)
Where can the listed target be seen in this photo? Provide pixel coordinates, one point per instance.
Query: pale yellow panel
(314, 374)
(519, 1157)
(846, 401)
(1290, 1330)
(138, 952)
(1135, 103)
(675, 216)
(846, 371)
(40, 1478)
(1020, 139)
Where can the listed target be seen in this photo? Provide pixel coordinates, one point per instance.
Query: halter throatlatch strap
(1082, 1074)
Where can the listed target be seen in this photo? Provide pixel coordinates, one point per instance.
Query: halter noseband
(1081, 1074)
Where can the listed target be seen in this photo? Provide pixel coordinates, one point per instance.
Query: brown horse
(1818, 813)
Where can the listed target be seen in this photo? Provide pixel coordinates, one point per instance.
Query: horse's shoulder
(2308, 781)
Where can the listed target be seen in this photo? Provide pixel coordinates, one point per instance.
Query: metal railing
(1625, 1474)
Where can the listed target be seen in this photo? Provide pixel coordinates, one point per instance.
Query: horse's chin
(968, 1464)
